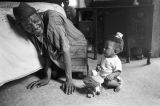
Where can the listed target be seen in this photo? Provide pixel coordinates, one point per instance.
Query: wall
(73, 3)
(156, 30)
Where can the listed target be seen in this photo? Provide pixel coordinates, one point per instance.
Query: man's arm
(68, 87)
(68, 67)
(43, 81)
(62, 43)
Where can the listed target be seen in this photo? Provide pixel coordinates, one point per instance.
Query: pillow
(43, 6)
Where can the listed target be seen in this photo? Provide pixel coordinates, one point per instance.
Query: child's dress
(108, 66)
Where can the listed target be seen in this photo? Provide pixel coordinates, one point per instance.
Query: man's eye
(28, 26)
(36, 21)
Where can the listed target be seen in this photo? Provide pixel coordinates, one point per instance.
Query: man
(53, 35)
(70, 11)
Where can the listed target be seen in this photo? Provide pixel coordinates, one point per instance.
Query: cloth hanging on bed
(18, 56)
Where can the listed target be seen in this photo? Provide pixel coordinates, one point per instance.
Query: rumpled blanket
(18, 56)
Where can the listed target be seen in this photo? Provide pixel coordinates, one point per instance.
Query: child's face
(109, 49)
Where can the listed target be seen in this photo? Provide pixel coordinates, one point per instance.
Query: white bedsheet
(18, 56)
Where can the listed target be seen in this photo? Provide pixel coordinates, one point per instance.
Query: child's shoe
(117, 89)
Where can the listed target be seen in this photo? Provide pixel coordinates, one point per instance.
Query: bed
(18, 56)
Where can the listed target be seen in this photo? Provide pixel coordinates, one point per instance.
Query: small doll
(108, 69)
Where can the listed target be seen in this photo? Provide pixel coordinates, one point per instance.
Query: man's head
(113, 45)
(66, 2)
(29, 19)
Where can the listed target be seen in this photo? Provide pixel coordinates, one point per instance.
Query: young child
(109, 69)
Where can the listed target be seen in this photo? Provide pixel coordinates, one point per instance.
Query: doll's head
(113, 45)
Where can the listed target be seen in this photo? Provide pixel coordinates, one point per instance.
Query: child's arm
(113, 75)
(117, 70)
(99, 67)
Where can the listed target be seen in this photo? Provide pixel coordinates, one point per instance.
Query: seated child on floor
(108, 70)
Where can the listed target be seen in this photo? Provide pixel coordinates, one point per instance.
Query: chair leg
(149, 57)
(128, 55)
(88, 73)
(95, 54)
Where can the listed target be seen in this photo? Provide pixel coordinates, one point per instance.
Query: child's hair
(119, 43)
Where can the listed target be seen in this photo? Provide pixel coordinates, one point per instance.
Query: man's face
(33, 25)
(66, 2)
(109, 49)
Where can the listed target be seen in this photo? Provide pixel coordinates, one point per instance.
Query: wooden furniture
(135, 22)
(79, 59)
(88, 26)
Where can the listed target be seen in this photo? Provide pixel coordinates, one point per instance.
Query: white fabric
(42, 6)
(119, 35)
(110, 65)
(18, 56)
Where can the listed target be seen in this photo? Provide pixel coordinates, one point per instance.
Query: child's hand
(98, 68)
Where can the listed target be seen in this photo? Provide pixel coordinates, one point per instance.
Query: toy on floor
(108, 69)
(93, 85)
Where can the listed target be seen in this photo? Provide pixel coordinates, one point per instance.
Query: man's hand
(38, 83)
(68, 87)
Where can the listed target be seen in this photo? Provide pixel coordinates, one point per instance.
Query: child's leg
(115, 84)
